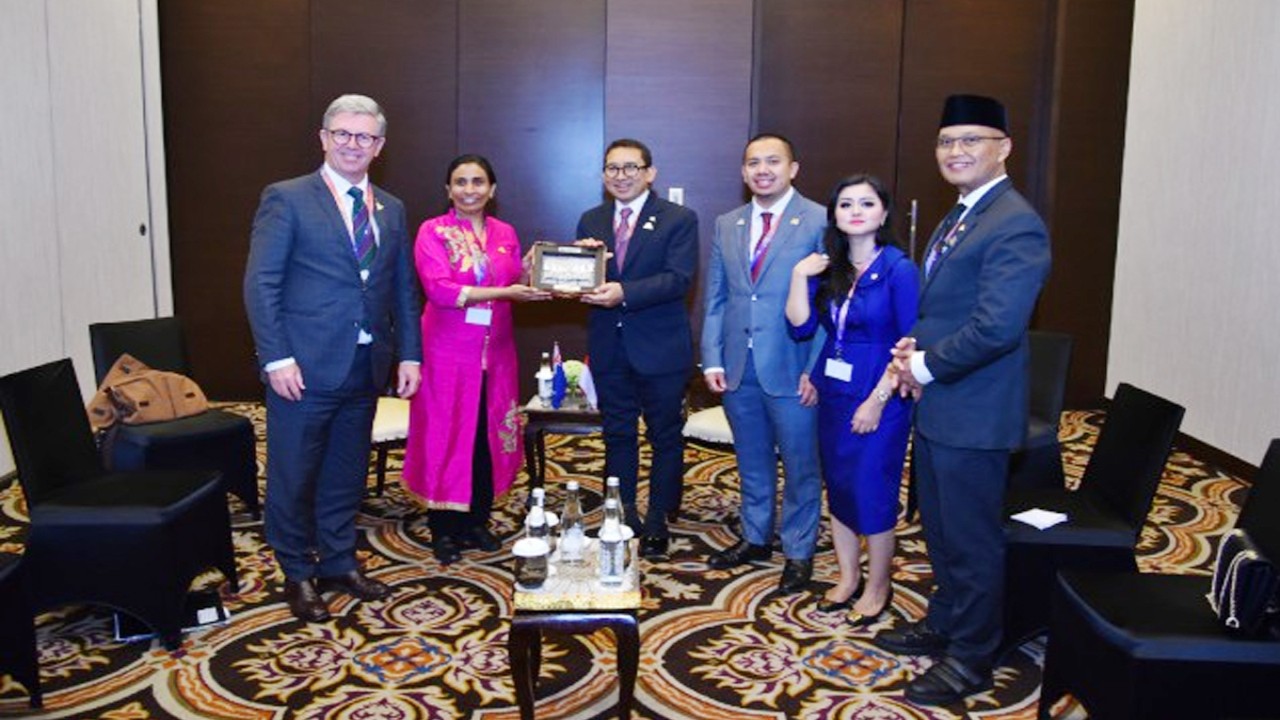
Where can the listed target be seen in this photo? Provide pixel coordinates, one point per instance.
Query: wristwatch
(883, 395)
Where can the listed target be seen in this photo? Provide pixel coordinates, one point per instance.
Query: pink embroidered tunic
(455, 353)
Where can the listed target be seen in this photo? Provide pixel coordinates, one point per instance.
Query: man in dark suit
(330, 296)
(638, 332)
(968, 363)
(748, 354)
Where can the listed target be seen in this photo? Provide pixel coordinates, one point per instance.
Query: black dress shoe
(305, 601)
(446, 549)
(914, 639)
(631, 518)
(950, 680)
(859, 620)
(795, 576)
(830, 606)
(479, 538)
(740, 554)
(827, 605)
(654, 548)
(355, 584)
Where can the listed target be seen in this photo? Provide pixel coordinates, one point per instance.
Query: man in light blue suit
(749, 355)
(332, 300)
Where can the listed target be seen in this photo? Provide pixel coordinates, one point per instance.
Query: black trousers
(453, 523)
(961, 507)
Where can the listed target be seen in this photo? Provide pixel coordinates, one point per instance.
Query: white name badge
(839, 369)
(479, 316)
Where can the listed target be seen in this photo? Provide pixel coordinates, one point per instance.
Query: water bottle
(544, 377)
(572, 526)
(613, 489)
(612, 562)
(535, 522)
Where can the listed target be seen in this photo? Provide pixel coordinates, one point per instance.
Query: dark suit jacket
(302, 286)
(650, 329)
(974, 310)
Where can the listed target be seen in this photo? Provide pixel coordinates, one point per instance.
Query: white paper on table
(1040, 519)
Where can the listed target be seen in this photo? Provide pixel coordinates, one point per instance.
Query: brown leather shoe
(354, 584)
(305, 601)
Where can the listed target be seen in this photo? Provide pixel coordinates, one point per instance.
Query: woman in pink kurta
(464, 423)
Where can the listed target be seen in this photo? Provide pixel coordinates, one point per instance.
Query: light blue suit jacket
(739, 311)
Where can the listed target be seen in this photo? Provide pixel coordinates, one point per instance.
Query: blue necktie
(944, 232)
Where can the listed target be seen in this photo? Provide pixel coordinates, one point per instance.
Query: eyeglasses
(629, 170)
(968, 142)
(342, 137)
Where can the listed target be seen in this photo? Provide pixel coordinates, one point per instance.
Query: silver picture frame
(566, 268)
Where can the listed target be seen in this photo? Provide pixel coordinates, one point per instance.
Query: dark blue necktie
(944, 232)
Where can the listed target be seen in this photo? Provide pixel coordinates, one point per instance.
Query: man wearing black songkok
(967, 362)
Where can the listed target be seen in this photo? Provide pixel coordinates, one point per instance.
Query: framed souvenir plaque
(567, 268)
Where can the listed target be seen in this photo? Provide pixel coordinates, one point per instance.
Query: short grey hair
(360, 104)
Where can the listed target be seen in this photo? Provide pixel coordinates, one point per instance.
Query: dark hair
(791, 149)
(471, 159)
(836, 280)
(645, 155)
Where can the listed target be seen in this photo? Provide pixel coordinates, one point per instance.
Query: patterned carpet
(715, 644)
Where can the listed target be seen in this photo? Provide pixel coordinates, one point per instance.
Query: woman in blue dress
(864, 291)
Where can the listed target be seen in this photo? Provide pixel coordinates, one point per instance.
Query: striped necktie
(622, 236)
(362, 230)
(757, 258)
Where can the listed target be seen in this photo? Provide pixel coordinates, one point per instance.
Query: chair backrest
(48, 429)
(156, 342)
(1260, 512)
(1050, 363)
(1127, 461)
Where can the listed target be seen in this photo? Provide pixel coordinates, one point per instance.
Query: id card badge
(479, 316)
(839, 369)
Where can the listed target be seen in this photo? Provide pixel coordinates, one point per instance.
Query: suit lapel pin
(648, 225)
(875, 276)
(795, 221)
(378, 205)
(741, 222)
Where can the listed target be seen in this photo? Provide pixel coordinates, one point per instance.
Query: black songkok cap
(974, 110)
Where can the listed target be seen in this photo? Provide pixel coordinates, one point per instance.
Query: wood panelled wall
(541, 87)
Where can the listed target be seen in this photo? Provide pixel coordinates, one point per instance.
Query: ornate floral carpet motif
(716, 645)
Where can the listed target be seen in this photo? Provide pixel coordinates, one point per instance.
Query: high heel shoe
(859, 620)
(827, 605)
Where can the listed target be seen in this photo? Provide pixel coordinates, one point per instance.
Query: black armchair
(17, 631)
(133, 541)
(1039, 462)
(1106, 512)
(213, 440)
(1131, 645)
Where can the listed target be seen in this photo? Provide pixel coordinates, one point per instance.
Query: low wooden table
(571, 602)
(540, 420)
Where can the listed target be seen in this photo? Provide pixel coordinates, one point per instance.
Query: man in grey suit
(968, 363)
(749, 355)
(330, 296)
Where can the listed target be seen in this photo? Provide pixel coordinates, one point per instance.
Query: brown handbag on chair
(134, 394)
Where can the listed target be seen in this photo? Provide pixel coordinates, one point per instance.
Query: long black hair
(835, 281)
